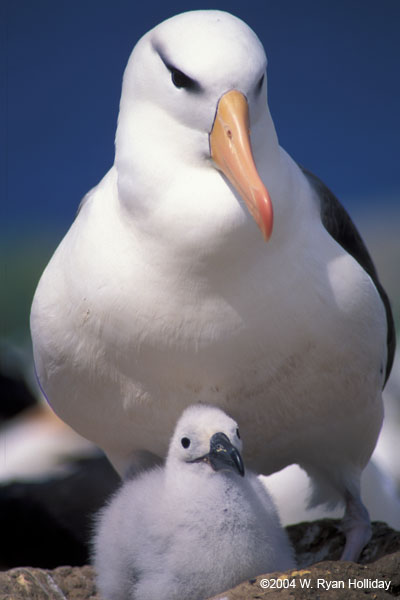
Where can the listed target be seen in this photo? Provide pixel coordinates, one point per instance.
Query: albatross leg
(356, 526)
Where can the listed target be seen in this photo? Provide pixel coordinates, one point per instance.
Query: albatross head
(194, 101)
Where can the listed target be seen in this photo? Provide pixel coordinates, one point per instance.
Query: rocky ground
(317, 544)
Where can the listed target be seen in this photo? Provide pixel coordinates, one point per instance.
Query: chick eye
(185, 442)
(238, 433)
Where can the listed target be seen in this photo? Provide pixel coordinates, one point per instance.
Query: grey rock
(322, 540)
(322, 575)
(318, 546)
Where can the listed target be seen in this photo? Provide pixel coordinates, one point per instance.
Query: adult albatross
(165, 293)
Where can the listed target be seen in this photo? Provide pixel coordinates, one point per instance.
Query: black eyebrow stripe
(260, 83)
(194, 85)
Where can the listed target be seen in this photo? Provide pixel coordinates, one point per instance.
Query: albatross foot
(356, 526)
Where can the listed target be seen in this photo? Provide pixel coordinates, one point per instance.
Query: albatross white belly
(164, 292)
(124, 344)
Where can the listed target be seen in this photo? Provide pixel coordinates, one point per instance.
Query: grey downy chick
(193, 528)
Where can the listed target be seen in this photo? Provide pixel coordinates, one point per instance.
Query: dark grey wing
(340, 226)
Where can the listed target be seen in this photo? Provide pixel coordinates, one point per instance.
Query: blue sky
(333, 85)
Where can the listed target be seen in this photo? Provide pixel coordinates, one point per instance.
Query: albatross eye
(238, 433)
(185, 442)
(260, 83)
(180, 80)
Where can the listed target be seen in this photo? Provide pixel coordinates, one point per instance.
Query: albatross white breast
(208, 267)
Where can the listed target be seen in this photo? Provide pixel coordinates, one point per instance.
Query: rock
(317, 541)
(63, 583)
(329, 580)
(322, 540)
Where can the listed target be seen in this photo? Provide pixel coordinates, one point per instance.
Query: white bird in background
(164, 293)
(194, 528)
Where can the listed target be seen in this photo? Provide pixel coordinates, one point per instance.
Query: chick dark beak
(223, 455)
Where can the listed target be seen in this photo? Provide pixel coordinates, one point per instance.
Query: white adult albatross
(164, 292)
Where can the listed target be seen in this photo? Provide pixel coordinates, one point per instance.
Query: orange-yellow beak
(231, 151)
